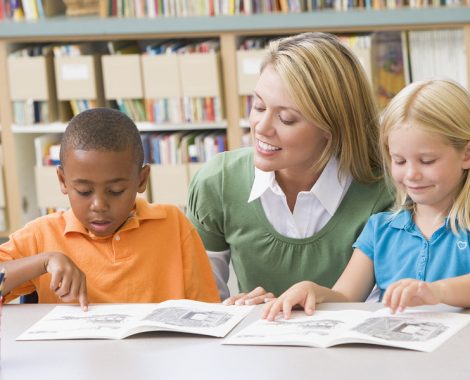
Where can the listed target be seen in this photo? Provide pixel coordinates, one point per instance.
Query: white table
(178, 356)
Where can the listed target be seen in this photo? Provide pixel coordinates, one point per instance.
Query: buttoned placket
(116, 247)
(425, 251)
(422, 260)
(423, 255)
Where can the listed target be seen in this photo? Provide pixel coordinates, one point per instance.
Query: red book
(211, 7)
(209, 106)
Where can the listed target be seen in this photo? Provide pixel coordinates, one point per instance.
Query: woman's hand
(255, 297)
(410, 292)
(68, 281)
(302, 293)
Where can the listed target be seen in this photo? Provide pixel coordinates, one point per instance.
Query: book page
(318, 330)
(192, 317)
(108, 321)
(414, 329)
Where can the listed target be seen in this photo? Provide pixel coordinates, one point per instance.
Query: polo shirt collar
(142, 211)
(402, 221)
(328, 189)
(72, 224)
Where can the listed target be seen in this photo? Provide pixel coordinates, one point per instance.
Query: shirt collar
(263, 181)
(142, 211)
(403, 220)
(328, 189)
(72, 224)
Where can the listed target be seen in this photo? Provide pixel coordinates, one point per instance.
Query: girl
(418, 253)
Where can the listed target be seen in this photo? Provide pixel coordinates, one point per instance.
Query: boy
(130, 250)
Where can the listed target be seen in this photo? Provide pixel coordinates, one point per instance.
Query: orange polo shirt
(155, 256)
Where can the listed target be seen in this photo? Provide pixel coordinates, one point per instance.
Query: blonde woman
(419, 253)
(290, 208)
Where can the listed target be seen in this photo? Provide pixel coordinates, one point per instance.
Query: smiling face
(283, 139)
(102, 187)
(427, 168)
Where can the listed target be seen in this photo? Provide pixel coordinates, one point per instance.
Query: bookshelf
(18, 142)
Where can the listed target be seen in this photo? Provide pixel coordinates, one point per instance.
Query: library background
(184, 70)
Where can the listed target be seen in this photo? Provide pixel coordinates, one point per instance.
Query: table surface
(163, 355)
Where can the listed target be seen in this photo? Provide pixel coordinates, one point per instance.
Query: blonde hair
(331, 89)
(440, 107)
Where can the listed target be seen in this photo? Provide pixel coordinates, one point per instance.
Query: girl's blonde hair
(331, 89)
(440, 107)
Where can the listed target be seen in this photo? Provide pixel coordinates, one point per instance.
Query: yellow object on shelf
(82, 7)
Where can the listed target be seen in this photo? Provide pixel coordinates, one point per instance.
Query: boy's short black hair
(102, 129)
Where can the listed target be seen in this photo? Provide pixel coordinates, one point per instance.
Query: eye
(427, 162)
(285, 121)
(116, 193)
(399, 162)
(259, 108)
(83, 193)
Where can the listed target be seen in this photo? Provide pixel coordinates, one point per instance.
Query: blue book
(155, 148)
(145, 137)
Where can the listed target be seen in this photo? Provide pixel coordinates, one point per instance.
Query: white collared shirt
(313, 209)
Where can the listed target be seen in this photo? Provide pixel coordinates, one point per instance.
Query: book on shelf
(16, 11)
(188, 148)
(390, 71)
(30, 9)
(182, 147)
(82, 7)
(421, 330)
(145, 138)
(47, 148)
(118, 321)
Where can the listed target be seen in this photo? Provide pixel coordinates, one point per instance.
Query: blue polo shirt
(399, 250)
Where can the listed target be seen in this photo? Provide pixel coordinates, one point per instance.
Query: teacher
(290, 208)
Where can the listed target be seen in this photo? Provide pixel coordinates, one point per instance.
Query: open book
(107, 321)
(414, 329)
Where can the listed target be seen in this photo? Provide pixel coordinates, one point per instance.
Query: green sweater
(218, 207)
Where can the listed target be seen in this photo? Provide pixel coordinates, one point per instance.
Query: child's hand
(410, 292)
(302, 293)
(255, 297)
(68, 281)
